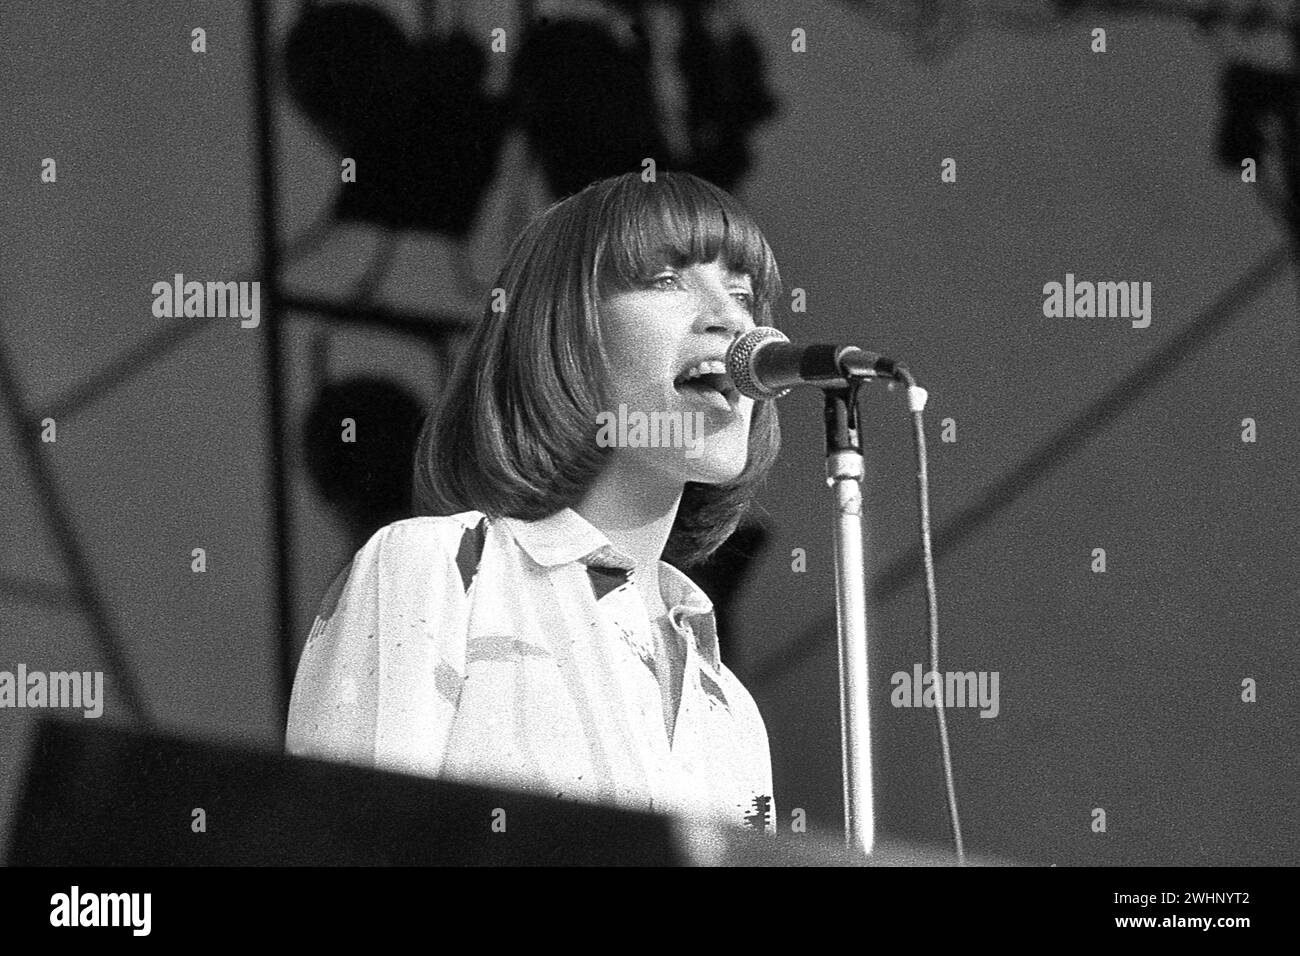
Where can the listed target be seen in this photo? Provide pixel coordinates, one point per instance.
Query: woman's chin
(714, 472)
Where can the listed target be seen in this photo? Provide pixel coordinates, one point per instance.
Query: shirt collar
(563, 537)
(685, 599)
(566, 536)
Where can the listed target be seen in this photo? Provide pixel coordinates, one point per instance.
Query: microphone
(764, 364)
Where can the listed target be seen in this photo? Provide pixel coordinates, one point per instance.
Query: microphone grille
(740, 365)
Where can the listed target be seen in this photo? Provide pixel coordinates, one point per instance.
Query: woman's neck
(637, 516)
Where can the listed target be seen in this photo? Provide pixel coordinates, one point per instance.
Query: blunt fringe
(514, 433)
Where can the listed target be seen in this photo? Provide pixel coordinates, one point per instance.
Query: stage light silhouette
(414, 114)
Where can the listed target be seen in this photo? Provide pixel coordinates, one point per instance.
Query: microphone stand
(844, 472)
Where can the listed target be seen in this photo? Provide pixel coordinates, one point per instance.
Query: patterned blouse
(520, 654)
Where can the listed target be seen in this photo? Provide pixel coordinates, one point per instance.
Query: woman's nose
(722, 313)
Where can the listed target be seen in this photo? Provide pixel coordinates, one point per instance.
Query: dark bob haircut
(515, 432)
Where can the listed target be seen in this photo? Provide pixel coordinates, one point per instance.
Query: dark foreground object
(103, 796)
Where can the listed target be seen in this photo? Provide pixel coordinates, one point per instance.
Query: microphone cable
(916, 399)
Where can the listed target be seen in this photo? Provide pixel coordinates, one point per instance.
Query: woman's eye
(664, 280)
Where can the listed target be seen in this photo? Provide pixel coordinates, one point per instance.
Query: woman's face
(656, 336)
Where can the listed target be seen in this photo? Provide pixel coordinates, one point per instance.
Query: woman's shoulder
(741, 700)
(426, 535)
(422, 550)
(415, 561)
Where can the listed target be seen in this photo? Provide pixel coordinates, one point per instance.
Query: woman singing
(535, 635)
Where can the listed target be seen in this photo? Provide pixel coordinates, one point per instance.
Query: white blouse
(519, 654)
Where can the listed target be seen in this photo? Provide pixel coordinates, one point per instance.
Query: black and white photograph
(651, 433)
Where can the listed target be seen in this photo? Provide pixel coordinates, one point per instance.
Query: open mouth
(710, 383)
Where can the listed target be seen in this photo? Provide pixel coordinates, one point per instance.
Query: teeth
(705, 368)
